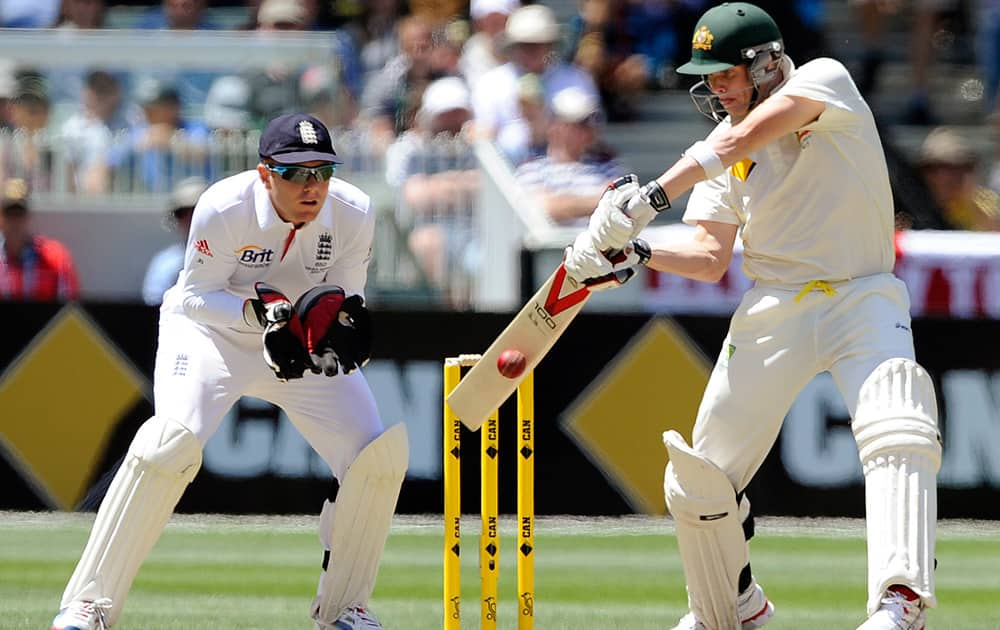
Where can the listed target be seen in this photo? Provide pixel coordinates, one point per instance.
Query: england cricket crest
(308, 133)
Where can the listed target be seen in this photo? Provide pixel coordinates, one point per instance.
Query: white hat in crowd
(445, 95)
(574, 105)
(481, 8)
(273, 12)
(227, 103)
(533, 24)
(186, 192)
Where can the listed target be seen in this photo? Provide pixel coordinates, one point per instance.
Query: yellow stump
(452, 502)
(489, 539)
(526, 503)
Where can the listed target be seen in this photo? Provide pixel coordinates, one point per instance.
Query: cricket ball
(511, 363)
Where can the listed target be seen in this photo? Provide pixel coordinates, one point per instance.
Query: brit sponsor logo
(254, 256)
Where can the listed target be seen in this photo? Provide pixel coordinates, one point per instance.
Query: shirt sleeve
(209, 263)
(711, 200)
(827, 81)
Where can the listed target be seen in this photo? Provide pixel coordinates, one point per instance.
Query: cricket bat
(533, 331)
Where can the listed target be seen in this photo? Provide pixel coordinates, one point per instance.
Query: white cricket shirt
(237, 239)
(816, 204)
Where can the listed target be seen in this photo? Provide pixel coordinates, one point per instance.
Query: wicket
(489, 540)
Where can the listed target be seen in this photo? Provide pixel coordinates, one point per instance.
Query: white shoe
(354, 618)
(897, 612)
(753, 605)
(83, 616)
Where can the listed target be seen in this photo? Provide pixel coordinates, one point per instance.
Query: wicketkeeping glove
(284, 341)
(338, 329)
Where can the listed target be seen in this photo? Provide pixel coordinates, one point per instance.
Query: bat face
(533, 331)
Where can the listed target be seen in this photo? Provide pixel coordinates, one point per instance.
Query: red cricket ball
(511, 363)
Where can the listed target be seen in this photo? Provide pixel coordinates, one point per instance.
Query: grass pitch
(260, 573)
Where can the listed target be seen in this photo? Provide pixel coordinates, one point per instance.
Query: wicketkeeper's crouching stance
(794, 167)
(227, 330)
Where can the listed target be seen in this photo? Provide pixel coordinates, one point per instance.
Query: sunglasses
(301, 174)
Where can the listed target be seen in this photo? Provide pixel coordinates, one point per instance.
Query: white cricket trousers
(201, 372)
(777, 344)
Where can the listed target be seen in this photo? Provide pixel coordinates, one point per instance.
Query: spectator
(377, 34)
(163, 147)
(82, 14)
(988, 34)
(28, 13)
(88, 134)
(8, 90)
(447, 41)
(482, 51)
(872, 15)
(531, 34)
(227, 105)
(535, 113)
(186, 15)
(28, 155)
(434, 172)
(161, 274)
(392, 96)
(948, 166)
(570, 179)
(326, 97)
(32, 267)
(275, 90)
(604, 44)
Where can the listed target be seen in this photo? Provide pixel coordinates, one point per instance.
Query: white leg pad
(896, 429)
(163, 459)
(709, 533)
(355, 528)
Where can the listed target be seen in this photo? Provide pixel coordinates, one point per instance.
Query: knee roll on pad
(162, 460)
(709, 533)
(354, 528)
(896, 428)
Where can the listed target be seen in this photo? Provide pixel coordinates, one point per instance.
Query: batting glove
(624, 210)
(599, 270)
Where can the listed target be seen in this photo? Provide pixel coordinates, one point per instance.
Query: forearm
(216, 308)
(563, 208)
(696, 260)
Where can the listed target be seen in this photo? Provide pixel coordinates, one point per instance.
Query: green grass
(227, 573)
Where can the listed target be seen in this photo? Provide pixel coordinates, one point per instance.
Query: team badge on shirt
(324, 248)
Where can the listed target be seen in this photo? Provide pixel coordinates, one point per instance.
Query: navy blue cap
(297, 138)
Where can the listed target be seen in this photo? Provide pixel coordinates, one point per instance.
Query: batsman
(794, 167)
(269, 304)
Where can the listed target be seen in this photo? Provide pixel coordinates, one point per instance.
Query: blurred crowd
(417, 78)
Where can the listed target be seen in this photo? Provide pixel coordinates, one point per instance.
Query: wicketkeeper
(796, 168)
(269, 304)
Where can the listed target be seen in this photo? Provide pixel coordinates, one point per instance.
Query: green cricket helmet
(729, 35)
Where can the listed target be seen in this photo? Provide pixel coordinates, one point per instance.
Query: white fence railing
(437, 243)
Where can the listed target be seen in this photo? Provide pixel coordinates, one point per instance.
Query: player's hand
(337, 329)
(597, 270)
(284, 341)
(624, 210)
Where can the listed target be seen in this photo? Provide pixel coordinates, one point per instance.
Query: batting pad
(709, 533)
(355, 527)
(162, 460)
(897, 434)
